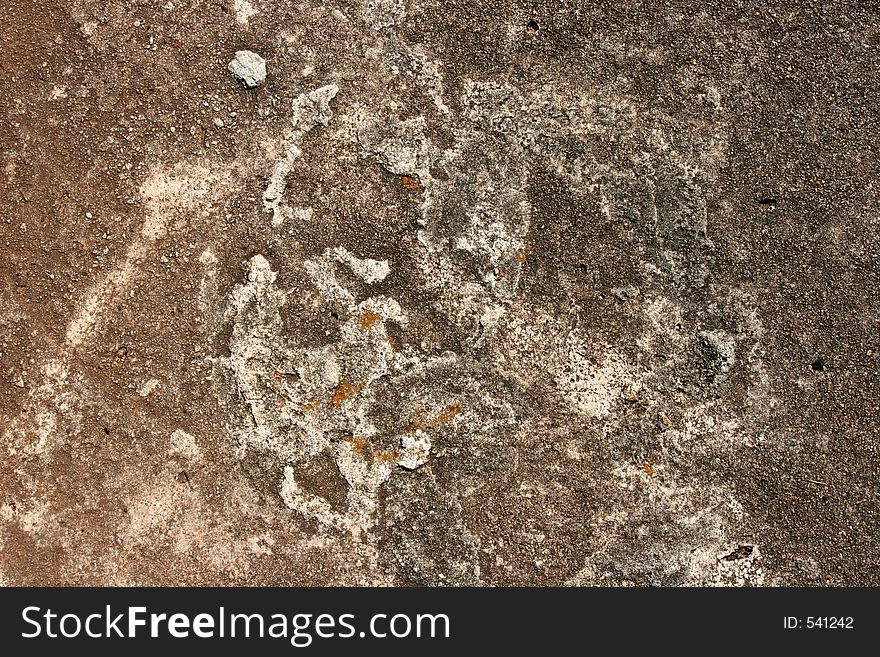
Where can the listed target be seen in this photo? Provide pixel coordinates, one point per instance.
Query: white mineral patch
(322, 271)
(593, 389)
(310, 506)
(363, 475)
(249, 68)
(401, 146)
(488, 321)
(416, 449)
(244, 11)
(54, 410)
(208, 258)
(148, 387)
(260, 272)
(58, 93)
(380, 14)
(184, 444)
(309, 110)
(367, 269)
(166, 193)
(303, 214)
(323, 275)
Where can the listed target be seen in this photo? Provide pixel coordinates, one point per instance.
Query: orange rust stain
(411, 184)
(447, 414)
(388, 456)
(393, 343)
(649, 468)
(344, 391)
(368, 320)
(359, 444)
(417, 421)
(420, 420)
(310, 405)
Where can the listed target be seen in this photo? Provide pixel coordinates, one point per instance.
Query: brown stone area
(484, 293)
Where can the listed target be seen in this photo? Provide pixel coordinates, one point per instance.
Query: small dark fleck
(767, 204)
(532, 26)
(818, 365)
(741, 552)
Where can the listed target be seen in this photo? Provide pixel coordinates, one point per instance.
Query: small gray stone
(249, 68)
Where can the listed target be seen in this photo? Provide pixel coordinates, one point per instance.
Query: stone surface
(473, 293)
(249, 68)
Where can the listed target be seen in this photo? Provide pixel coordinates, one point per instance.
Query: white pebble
(249, 68)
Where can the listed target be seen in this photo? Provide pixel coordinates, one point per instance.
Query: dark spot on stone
(532, 26)
(818, 365)
(741, 552)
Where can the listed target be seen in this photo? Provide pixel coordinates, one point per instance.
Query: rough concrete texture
(465, 293)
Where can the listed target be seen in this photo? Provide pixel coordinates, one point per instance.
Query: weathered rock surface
(249, 68)
(471, 293)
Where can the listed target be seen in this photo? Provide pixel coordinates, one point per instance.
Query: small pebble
(148, 387)
(249, 68)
